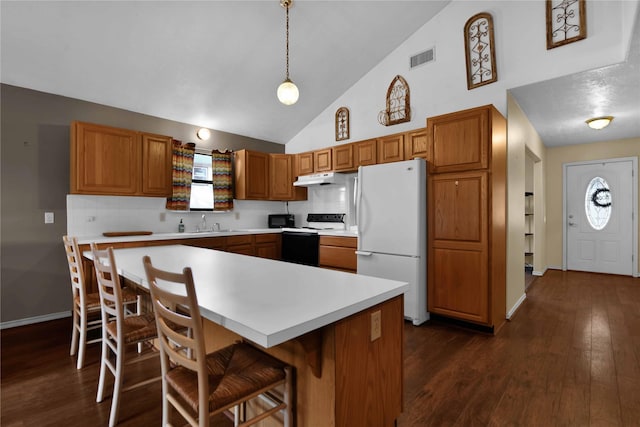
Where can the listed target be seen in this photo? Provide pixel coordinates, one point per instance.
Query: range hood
(320, 179)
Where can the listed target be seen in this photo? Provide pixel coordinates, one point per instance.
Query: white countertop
(265, 301)
(194, 235)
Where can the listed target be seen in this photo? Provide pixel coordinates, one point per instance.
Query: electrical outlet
(163, 216)
(48, 218)
(236, 215)
(376, 325)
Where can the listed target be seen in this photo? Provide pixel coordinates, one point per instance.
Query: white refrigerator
(391, 212)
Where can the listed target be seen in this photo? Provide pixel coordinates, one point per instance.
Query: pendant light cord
(287, 38)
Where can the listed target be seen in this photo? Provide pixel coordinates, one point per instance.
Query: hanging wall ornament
(479, 51)
(398, 103)
(342, 124)
(566, 22)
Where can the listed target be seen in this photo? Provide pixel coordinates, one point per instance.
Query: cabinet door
(104, 160)
(281, 177)
(458, 246)
(416, 145)
(366, 152)
(343, 158)
(304, 164)
(267, 246)
(391, 148)
(252, 175)
(459, 141)
(322, 160)
(156, 165)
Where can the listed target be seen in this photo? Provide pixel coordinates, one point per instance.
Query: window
(597, 203)
(202, 183)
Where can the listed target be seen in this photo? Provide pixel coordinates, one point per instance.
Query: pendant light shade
(287, 91)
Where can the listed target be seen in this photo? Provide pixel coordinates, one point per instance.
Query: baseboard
(36, 319)
(516, 306)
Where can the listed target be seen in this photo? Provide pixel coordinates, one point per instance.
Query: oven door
(300, 247)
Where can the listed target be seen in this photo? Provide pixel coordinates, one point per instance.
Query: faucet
(203, 224)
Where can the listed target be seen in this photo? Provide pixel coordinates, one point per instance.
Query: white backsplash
(89, 216)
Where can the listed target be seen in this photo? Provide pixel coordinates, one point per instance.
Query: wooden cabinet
(265, 176)
(268, 245)
(322, 160)
(338, 253)
(304, 163)
(251, 175)
(366, 152)
(112, 161)
(467, 222)
(460, 141)
(343, 160)
(416, 145)
(391, 148)
(242, 244)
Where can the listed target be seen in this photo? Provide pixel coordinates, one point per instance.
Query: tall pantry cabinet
(467, 216)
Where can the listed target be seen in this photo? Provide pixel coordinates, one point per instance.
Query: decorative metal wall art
(342, 124)
(566, 22)
(398, 103)
(480, 51)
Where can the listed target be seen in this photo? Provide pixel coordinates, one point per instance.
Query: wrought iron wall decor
(342, 124)
(566, 22)
(398, 103)
(480, 51)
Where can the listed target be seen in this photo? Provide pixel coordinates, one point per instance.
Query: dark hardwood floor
(570, 357)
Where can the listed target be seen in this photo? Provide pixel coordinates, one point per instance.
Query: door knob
(572, 224)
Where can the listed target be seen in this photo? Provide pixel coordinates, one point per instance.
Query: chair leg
(83, 339)
(103, 368)
(288, 386)
(165, 403)
(117, 385)
(74, 333)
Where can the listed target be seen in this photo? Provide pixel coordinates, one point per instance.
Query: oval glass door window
(597, 203)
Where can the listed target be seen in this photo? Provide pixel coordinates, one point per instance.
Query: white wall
(440, 87)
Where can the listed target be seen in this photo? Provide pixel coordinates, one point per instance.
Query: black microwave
(281, 220)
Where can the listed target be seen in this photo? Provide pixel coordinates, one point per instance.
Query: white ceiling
(208, 63)
(218, 63)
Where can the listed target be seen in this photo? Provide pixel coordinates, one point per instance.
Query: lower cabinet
(338, 253)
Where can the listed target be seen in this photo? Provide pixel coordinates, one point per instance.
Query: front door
(599, 216)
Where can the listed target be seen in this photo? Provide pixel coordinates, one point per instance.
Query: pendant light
(287, 92)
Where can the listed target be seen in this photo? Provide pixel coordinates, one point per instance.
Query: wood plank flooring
(570, 357)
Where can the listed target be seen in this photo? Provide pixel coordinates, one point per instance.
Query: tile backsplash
(89, 216)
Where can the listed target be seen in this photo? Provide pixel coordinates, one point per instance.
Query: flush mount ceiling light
(287, 92)
(203, 134)
(599, 122)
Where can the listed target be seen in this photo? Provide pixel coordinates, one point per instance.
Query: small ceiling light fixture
(287, 92)
(599, 122)
(203, 134)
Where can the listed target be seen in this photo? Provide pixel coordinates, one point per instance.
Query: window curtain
(182, 172)
(222, 180)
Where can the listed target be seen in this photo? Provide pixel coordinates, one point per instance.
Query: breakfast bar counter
(343, 332)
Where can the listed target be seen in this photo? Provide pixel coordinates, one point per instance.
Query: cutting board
(126, 233)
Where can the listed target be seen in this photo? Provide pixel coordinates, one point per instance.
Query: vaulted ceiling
(218, 63)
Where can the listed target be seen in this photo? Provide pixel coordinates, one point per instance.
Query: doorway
(600, 218)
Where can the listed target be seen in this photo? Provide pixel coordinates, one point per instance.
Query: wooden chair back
(76, 270)
(108, 285)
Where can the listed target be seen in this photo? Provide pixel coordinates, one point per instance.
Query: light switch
(376, 325)
(48, 217)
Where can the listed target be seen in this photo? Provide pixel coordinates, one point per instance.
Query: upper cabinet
(304, 163)
(343, 158)
(460, 141)
(391, 148)
(265, 176)
(322, 160)
(251, 175)
(366, 152)
(112, 161)
(416, 144)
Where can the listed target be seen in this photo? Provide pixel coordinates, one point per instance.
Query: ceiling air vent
(422, 57)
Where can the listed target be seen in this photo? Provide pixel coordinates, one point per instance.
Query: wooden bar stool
(202, 385)
(119, 331)
(86, 306)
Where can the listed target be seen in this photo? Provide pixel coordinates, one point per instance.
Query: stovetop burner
(318, 222)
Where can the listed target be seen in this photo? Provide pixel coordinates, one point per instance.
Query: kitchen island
(342, 332)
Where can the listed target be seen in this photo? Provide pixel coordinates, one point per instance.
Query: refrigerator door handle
(364, 253)
(358, 203)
